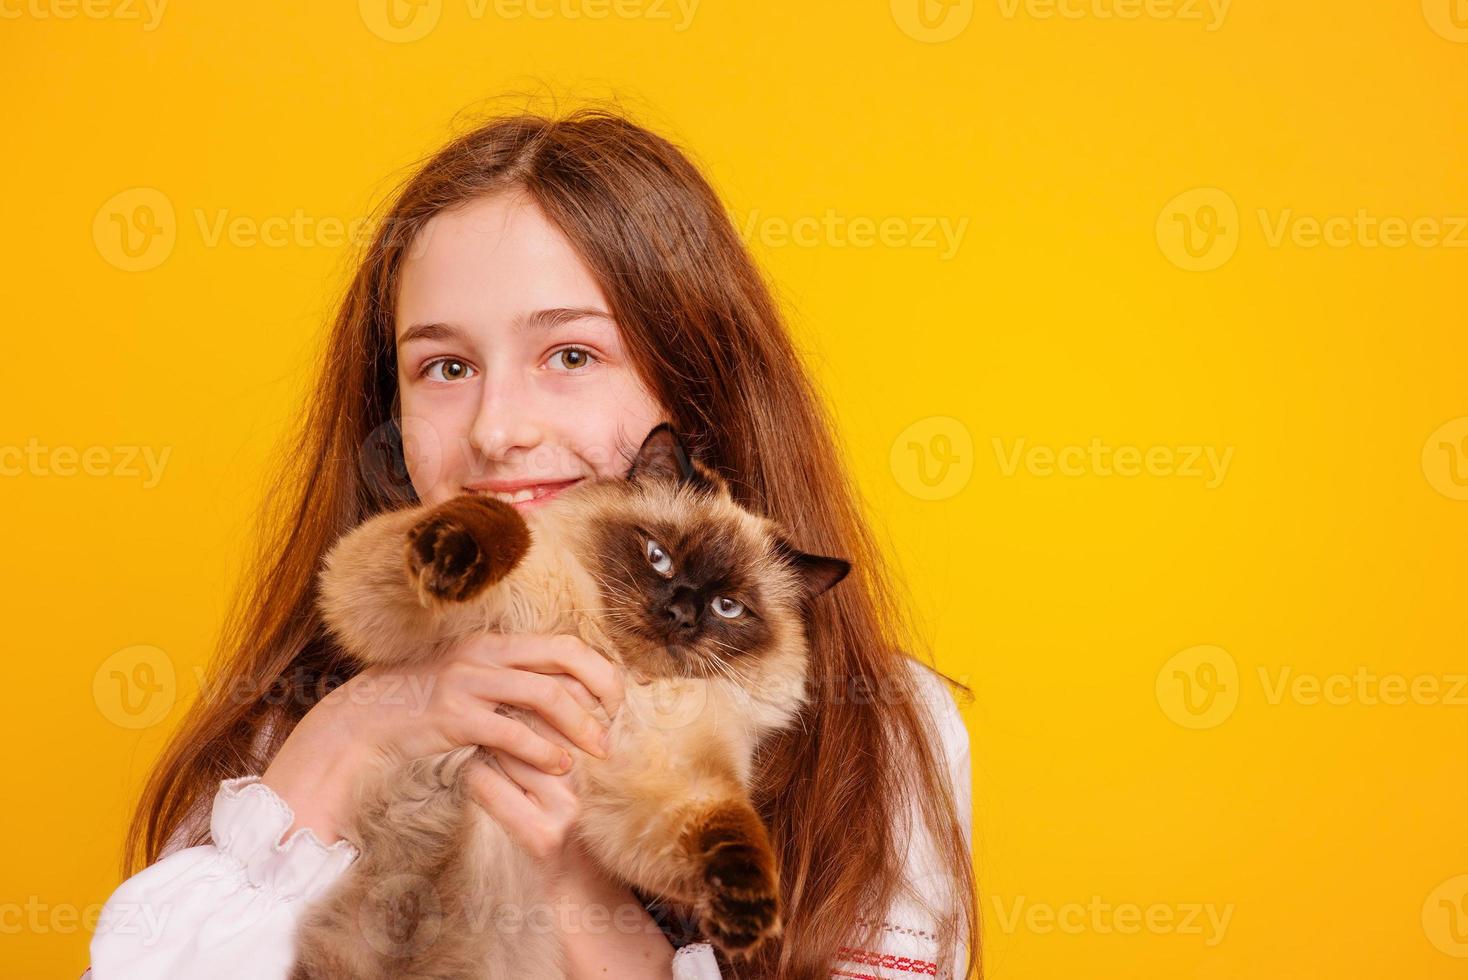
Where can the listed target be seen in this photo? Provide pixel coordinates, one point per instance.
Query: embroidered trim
(904, 930)
(889, 961)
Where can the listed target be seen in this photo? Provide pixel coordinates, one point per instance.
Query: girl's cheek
(425, 450)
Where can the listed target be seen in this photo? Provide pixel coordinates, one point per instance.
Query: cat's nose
(681, 612)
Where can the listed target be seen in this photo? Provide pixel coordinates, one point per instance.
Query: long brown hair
(705, 333)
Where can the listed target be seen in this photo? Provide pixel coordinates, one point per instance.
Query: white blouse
(228, 909)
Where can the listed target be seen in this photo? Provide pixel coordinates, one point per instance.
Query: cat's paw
(464, 545)
(743, 906)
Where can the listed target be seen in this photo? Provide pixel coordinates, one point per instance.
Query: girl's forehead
(486, 263)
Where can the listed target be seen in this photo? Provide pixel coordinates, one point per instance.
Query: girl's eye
(658, 558)
(453, 369)
(573, 358)
(728, 608)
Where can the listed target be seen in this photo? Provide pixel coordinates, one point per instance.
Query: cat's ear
(817, 572)
(662, 457)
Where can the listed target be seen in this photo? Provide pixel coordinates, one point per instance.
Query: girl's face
(511, 371)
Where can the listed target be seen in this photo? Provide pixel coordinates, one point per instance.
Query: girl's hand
(394, 716)
(453, 701)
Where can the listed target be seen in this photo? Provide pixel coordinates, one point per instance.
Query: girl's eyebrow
(545, 319)
(538, 320)
(429, 331)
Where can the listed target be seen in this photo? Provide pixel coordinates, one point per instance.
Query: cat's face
(691, 583)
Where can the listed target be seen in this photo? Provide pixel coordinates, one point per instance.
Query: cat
(701, 603)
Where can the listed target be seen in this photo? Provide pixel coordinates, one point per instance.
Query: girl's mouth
(524, 498)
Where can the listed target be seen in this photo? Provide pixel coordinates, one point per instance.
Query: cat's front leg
(398, 586)
(464, 545)
(736, 873)
(709, 852)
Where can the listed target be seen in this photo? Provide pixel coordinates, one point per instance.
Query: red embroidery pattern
(886, 961)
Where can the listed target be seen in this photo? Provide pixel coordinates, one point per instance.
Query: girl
(537, 297)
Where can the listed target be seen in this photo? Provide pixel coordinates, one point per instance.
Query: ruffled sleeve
(696, 962)
(222, 910)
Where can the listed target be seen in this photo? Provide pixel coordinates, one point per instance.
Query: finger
(543, 695)
(503, 800)
(578, 691)
(552, 794)
(513, 737)
(551, 654)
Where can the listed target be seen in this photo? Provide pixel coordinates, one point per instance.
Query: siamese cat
(701, 603)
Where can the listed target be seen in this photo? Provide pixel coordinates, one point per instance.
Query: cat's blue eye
(658, 558)
(728, 608)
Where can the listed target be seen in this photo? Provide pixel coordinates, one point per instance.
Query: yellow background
(1071, 310)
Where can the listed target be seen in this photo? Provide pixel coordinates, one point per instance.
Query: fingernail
(565, 761)
(606, 740)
